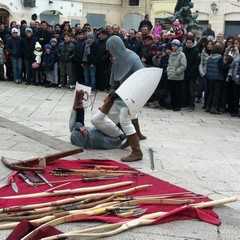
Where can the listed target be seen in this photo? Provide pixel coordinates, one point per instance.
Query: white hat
(38, 45)
(14, 30)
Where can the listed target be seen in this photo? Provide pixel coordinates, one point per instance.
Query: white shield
(139, 87)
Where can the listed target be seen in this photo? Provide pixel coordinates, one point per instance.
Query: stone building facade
(126, 13)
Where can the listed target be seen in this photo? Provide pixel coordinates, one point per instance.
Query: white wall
(69, 9)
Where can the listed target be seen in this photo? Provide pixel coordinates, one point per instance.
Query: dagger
(13, 185)
(24, 178)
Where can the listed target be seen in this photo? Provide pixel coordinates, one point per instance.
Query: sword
(95, 94)
(150, 151)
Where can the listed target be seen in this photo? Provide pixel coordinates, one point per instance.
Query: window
(133, 2)
(29, 3)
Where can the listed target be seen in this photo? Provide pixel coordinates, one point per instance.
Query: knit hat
(91, 35)
(176, 42)
(160, 48)
(176, 23)
(153, 47)
(28, 30)
(53, 40)
(47, 46)
(38, 45)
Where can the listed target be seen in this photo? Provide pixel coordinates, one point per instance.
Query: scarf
(87, 51)
(38, 56)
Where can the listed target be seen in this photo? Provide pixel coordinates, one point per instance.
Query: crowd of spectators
(195, 69)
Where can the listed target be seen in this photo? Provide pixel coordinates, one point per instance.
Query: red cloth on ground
(174, 212)
(26, 227)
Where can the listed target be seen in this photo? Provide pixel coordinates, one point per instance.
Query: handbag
(35, 65)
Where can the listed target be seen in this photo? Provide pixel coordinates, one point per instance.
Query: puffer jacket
(233, 71)
(215, 67)
(203, 63)
(66, 52)
(177, 64)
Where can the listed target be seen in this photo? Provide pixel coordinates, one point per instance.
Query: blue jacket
(13, 46)
(215, 67)
(94, 140)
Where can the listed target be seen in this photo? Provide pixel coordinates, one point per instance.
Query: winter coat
(147, 54)
(234, 69)
(48, 61)
(79, 50)
(133, 44)
(215, 67)
(104, 55)
(193, 61)
(13, 46)
(28, 46)
(44, 36)
(92, 58)
(203, 63)
(55, 53)
(66, 52)
(177, 64)
(156, 61)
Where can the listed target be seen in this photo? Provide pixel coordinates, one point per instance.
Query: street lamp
(214, 7)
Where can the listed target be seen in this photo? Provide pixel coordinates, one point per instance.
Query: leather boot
(136, 154)
(137, 128)
(108, 102)
(78, 101)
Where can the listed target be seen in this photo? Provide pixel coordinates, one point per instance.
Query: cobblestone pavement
(195, 150)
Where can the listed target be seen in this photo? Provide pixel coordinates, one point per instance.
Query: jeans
(17, 67)
(90, 76)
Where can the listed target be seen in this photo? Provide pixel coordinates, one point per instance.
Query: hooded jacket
(177, 64)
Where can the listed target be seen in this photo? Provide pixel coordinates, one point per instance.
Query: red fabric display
(174, 212)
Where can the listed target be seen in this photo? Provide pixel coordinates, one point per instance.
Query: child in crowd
(36, 66)
(66, 53)
(157, 29)
(156, 40)
(54, 45)
(48, 64)
(156, 55)
(215, 78)
(175, 72)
